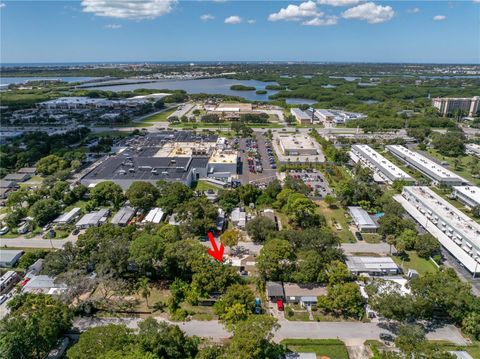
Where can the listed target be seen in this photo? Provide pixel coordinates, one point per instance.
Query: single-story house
(9, 257)
(4, 192)
(374, 266)
(36, 267)
(239, 218)
(8, 184)
(68, 217)
(155, 215)
(42, 284)
(304, 355)
(123, 216)
(28, 170)
(363, 221)
(275, 291)
(17, 177)
(303, 293)
(93, 219)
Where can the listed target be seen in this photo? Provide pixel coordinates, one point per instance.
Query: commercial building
(9, 257)
(93, 219)
(468, 195)
(68, 217)
(171, 156)
(294, 145)
(374, 266)
(156, 215)
(363, 221)
(448, 105)
(301, 116)
(78, 102)
(123, 216)
(437, 173)
(383, 169)
(456, 232)
(472, 149)
(337, 117)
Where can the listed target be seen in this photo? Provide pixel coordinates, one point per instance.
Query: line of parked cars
(254, 163)
(271, 158)
(314, 180)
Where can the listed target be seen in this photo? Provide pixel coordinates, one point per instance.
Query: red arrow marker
(216, 252)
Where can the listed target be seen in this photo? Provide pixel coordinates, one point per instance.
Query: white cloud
(338, 2)
(370, 12)
(207, 17)
(476, 1)
(128, 9)
(317, 21)
(251, 21)
(233, 20)
(439, 17)
(296, 12)
(113, 26)
(2, 4)
(413, 10)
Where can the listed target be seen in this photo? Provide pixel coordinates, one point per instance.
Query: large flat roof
(455, 219)
(361, 217)
(471, 192)
(427, 165)
(366, 264)
(297, 142)
(383, 165)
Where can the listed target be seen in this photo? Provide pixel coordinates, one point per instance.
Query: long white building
(445, 105)
(472, 149)
(457, 233)
(468, 195)
(383, 169)
(437, 173)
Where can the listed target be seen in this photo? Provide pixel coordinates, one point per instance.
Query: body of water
(329, 86)
(219, 86)
(299, 101)
(346, 78)
(21, 80)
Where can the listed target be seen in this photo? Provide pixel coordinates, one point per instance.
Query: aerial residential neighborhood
(239, 179)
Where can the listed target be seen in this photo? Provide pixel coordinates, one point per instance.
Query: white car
(3, 298)
(4, 230)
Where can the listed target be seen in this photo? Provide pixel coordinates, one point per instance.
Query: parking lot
(315, 180)
(259, 169)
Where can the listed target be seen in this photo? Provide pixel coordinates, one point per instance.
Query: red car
(280, 305)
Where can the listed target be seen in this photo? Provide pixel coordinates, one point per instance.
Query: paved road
(36, 242)
(314, 330)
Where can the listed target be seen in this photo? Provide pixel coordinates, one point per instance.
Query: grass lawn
(159, 117)
(332, 348)
(204, 185)
(464, 166)
(336, 215)
(81, 204)
(473, 350)
(372, 237)
(422, 266)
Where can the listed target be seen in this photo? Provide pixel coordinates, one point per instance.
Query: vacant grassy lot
(422, 266)
(159, 117)
(463, 167)
(333, 216)
(331, 348)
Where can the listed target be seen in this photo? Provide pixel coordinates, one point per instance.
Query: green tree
(51, 164)
(98, 341)
(427, 246)
(230, 237)
(252, 338)
(107, 193)
(143, 288)
(259, 228)
(276, 260)
(33, 327)
(142, 195)
(343, 299)
(146, 251)
(44, 210)
(239, 297)
(172, 194)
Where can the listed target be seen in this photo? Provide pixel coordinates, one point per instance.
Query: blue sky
(169, 30)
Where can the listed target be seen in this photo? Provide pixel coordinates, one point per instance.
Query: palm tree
(143, 288)
(390, 240)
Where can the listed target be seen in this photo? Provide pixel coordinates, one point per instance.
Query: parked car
(4, 230)
(359, 236)
(280, 305)
(76, 231)
(3, 298)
